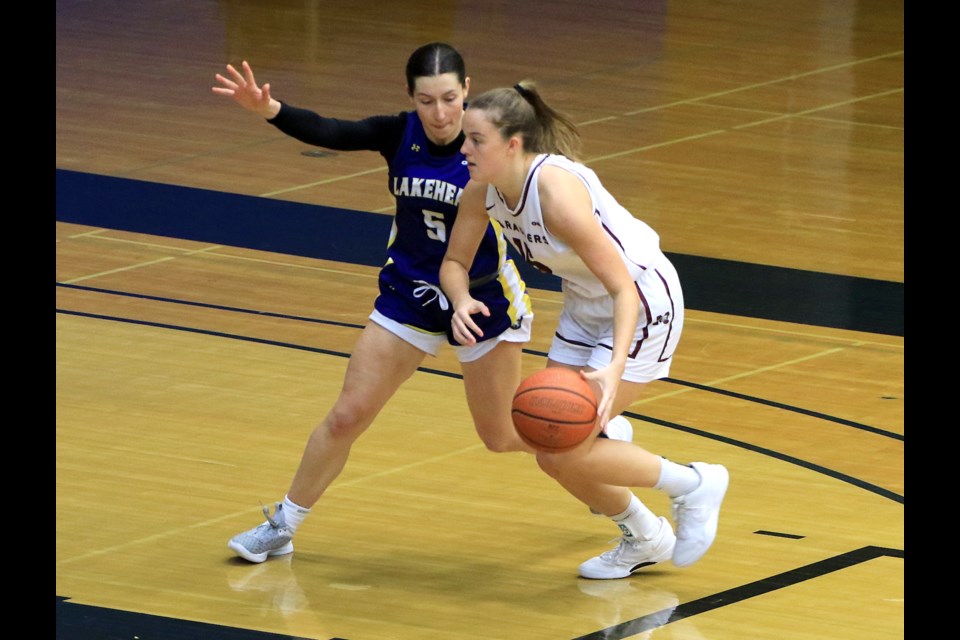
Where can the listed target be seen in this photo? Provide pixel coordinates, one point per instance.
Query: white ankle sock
(293, 514)
(637, 521)
(676, 479)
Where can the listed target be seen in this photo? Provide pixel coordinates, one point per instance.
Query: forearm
(376, 133)
(465, 237)
(454, 280)
(626, 311)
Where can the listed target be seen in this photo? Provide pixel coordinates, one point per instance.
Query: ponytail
(521, 111)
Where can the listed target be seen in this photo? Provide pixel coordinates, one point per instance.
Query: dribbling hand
(609, 380)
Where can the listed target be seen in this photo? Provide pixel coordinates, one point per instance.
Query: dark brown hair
(434, 59)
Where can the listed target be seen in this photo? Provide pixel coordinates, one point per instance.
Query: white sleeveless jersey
(524, 228)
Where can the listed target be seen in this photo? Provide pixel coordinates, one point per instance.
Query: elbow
(450, 266)
(445, 268)
(453, 277)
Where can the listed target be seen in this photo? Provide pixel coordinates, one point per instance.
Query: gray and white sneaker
(272, 538)
(630, 555)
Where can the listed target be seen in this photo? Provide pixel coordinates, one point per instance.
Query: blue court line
(358, 237)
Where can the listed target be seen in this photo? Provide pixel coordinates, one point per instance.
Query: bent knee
(503, 446)
(345, 422)
(500, 440)
(554, 465)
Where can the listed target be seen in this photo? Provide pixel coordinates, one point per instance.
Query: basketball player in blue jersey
(621, 319)
(411, 316)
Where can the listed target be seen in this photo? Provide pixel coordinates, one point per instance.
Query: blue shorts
(420, 313)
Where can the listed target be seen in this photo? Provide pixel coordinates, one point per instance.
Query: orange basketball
(554, 409)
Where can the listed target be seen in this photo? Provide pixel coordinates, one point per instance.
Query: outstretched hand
(245, 92)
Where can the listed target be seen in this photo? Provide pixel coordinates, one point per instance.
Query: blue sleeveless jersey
(427, 189)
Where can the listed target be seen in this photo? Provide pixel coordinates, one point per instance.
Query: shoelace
(422, 290)
(266, 514)
(614, 554)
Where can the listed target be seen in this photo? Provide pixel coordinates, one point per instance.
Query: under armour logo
(415, 148)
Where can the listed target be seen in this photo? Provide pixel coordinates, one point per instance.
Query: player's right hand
(465, 330)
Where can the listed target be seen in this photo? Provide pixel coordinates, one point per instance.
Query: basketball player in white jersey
(621, 320)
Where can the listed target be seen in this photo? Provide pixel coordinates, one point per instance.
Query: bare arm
(568, 213)
(468, 231)
(245, 92)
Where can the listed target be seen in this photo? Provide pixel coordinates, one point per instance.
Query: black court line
(786, 407)
(880, 491)
(742, 593)
(87, 622)
(694, 385)
(778, 534)
(219, 334)
(664, 423)
(207, 305)
(685, 383)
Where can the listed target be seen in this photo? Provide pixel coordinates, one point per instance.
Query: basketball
(554, 410)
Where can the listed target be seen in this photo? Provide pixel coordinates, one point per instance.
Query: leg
(489, 383)
(380, 363)
(600, 472)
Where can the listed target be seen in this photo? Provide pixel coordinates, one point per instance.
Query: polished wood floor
(189, 373)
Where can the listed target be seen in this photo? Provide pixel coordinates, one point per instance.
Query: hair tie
(523, 92)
